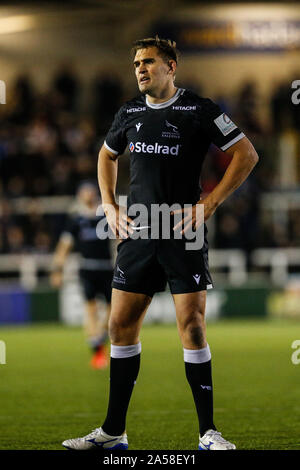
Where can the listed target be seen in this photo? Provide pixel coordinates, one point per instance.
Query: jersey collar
(165, 104)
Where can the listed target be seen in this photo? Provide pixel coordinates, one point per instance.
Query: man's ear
(172, 65)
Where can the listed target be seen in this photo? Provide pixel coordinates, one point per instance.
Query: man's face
(153, 73)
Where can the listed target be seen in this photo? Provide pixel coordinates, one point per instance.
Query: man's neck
(164, 95)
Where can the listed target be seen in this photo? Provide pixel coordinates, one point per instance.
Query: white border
(165, 104)
(110, 149)
(233, 141)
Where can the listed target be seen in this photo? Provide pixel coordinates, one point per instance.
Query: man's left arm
(244, 158)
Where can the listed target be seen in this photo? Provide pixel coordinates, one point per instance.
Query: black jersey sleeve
(218, 126)
(115, 140)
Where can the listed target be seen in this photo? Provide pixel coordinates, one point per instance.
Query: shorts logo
(121, 273)
(120, 276)
(197, 277)
(224, 123)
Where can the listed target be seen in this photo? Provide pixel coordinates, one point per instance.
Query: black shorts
(95, 283)
(145, 267)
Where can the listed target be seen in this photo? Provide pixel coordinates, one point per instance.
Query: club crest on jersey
(172, 132)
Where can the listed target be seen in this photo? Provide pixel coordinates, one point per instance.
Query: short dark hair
(166, 47)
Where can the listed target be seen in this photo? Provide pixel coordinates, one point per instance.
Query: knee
(192, 328)
(118, 329)
(192, 319)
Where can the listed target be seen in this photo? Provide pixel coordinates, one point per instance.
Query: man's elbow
(247, 150)
(253, 158)
(249, 155)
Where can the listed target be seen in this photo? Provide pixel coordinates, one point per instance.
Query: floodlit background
(65, 69)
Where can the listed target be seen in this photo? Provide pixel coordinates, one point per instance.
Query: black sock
(123, 374)
(200, 380)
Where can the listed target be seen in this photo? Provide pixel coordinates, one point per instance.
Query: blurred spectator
(224, 104)
(190, 83)
(42, 242)
(295, 227)
(16, 186)
(280, 107)
(77, 136)
(247, 112)
(3, 248)
(41, 137)
(15, 240)
(66, 88)
(48, 146)
(228, 233)
(40, 186)
(63, 176)
(6, 213)
(23, 97)
(34, 221)
(86, 166)
(107, 94)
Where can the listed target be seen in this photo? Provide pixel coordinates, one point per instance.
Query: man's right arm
(107, 175)
(107, 178)
(61, 253)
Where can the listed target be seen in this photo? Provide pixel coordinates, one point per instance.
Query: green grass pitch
(48, 392)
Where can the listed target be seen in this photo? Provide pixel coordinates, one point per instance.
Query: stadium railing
(277, 261)
(27, 266)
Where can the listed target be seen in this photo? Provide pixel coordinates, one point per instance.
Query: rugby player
(168, 131)
(95, 267)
